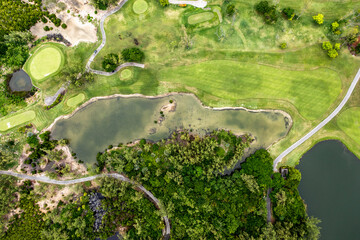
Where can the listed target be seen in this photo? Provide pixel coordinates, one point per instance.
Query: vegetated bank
(185, 173)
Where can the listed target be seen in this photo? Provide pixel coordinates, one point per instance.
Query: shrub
(289, 13)
(337, 46)
(333, 53)
(110, 62)
(283, 45)
(268, 11)
(64, 26)
(46, 28)
(230, 10)
(44, 20)
(164, 3)
(132, 55)
(327, 45)
(319, 19)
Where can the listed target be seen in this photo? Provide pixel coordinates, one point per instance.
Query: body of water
(330, 186)
(20, 82)
(121, 120)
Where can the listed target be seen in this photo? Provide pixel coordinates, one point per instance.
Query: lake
(330, 186)
(123, 119)
(20, 82)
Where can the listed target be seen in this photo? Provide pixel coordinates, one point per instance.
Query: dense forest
(187, 173)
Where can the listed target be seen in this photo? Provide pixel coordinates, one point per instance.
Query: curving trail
(166, 230)
(322, 124)
(91, 59)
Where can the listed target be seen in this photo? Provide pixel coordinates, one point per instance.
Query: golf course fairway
(16, 120)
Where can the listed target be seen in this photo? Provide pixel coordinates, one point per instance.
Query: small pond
(20, 82)
(121, 120)
(330, 186)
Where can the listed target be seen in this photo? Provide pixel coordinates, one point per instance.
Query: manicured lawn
(16, 120)
(349, 122)
(72, 102)
(200, 17)
(140, 6)
(312, 92)
(125, 74)
(45, 62)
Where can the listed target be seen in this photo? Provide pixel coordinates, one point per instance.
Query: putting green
(140, 6)
(125, 74)
(349, 122)
(16, 120)
(200, 17)
(45, 62)
(75, 100)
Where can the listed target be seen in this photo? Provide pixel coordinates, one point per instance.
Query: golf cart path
(322, 124)
(166, 230)
(198, 3)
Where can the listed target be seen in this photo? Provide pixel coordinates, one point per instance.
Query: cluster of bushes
(271, 14)
(185, 173)
(56, 102)
(331, 50)
(132, 55)
(110, 62)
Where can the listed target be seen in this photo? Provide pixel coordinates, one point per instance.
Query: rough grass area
(200, 17)
(349, 122)
(74, 101)
(16, 120)
(45, 62)
(311, 91)
(125, 74)
(140, 6)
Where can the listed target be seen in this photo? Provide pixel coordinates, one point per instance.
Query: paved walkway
(96, 52)
(198, 3)
(166, 230)
(322, 124)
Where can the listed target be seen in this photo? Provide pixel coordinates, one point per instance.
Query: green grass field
(74, 101)
(349, 122)
(45, 62)
(16, 120)
(125, 74)
(140, 6)
(200, 17)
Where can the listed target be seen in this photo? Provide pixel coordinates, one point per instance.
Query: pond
(123, 119)
(330, 186)
(20, 82)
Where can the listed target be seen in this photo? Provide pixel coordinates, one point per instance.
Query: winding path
(322, 124)
(91, 59)
(166, 230)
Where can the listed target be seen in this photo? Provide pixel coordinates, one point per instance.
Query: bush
(132, 55)
(283, 45)
(230, 10)
(332, 53)
(289, 13)
(164, 3)
(64, 26)
(110, 62)
(46, 28)
(268, 11)
(44, 20)
(337, 46)
(327, 45)
(319, 19)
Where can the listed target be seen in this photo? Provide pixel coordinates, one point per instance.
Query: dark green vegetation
(185, 172)
(103, 4)
(110, 62)
(132, 55)
(73, 216)
(268, 11)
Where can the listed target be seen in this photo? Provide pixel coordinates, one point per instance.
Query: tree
(64, 26)
(164, 3)
(289, 13)
(327, 46)
(333, 53)
(319, 19)
(283, 45)
(269, 12)
(230, 10)
(132, 55)
(110, 62)
(337, 46)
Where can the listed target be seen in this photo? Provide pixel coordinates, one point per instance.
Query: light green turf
(349, 122)
(16, 120)
(125, 74)
(140, 6)
(312, 92)
(72, 102)
(45, 62)
(200, 17)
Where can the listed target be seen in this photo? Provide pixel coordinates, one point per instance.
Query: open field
(140, 6)
(349, 122)
(200, 17)
(74, 101)
(45, 62)
(16, 120)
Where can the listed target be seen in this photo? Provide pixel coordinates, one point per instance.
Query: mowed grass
(200, 17)
(312, 92)
(349, 122)
(72, 102)
(16, 120)
(45, 62)
(140, 6)
(125, 74)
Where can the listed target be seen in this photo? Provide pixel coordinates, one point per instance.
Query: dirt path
(166, 230)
